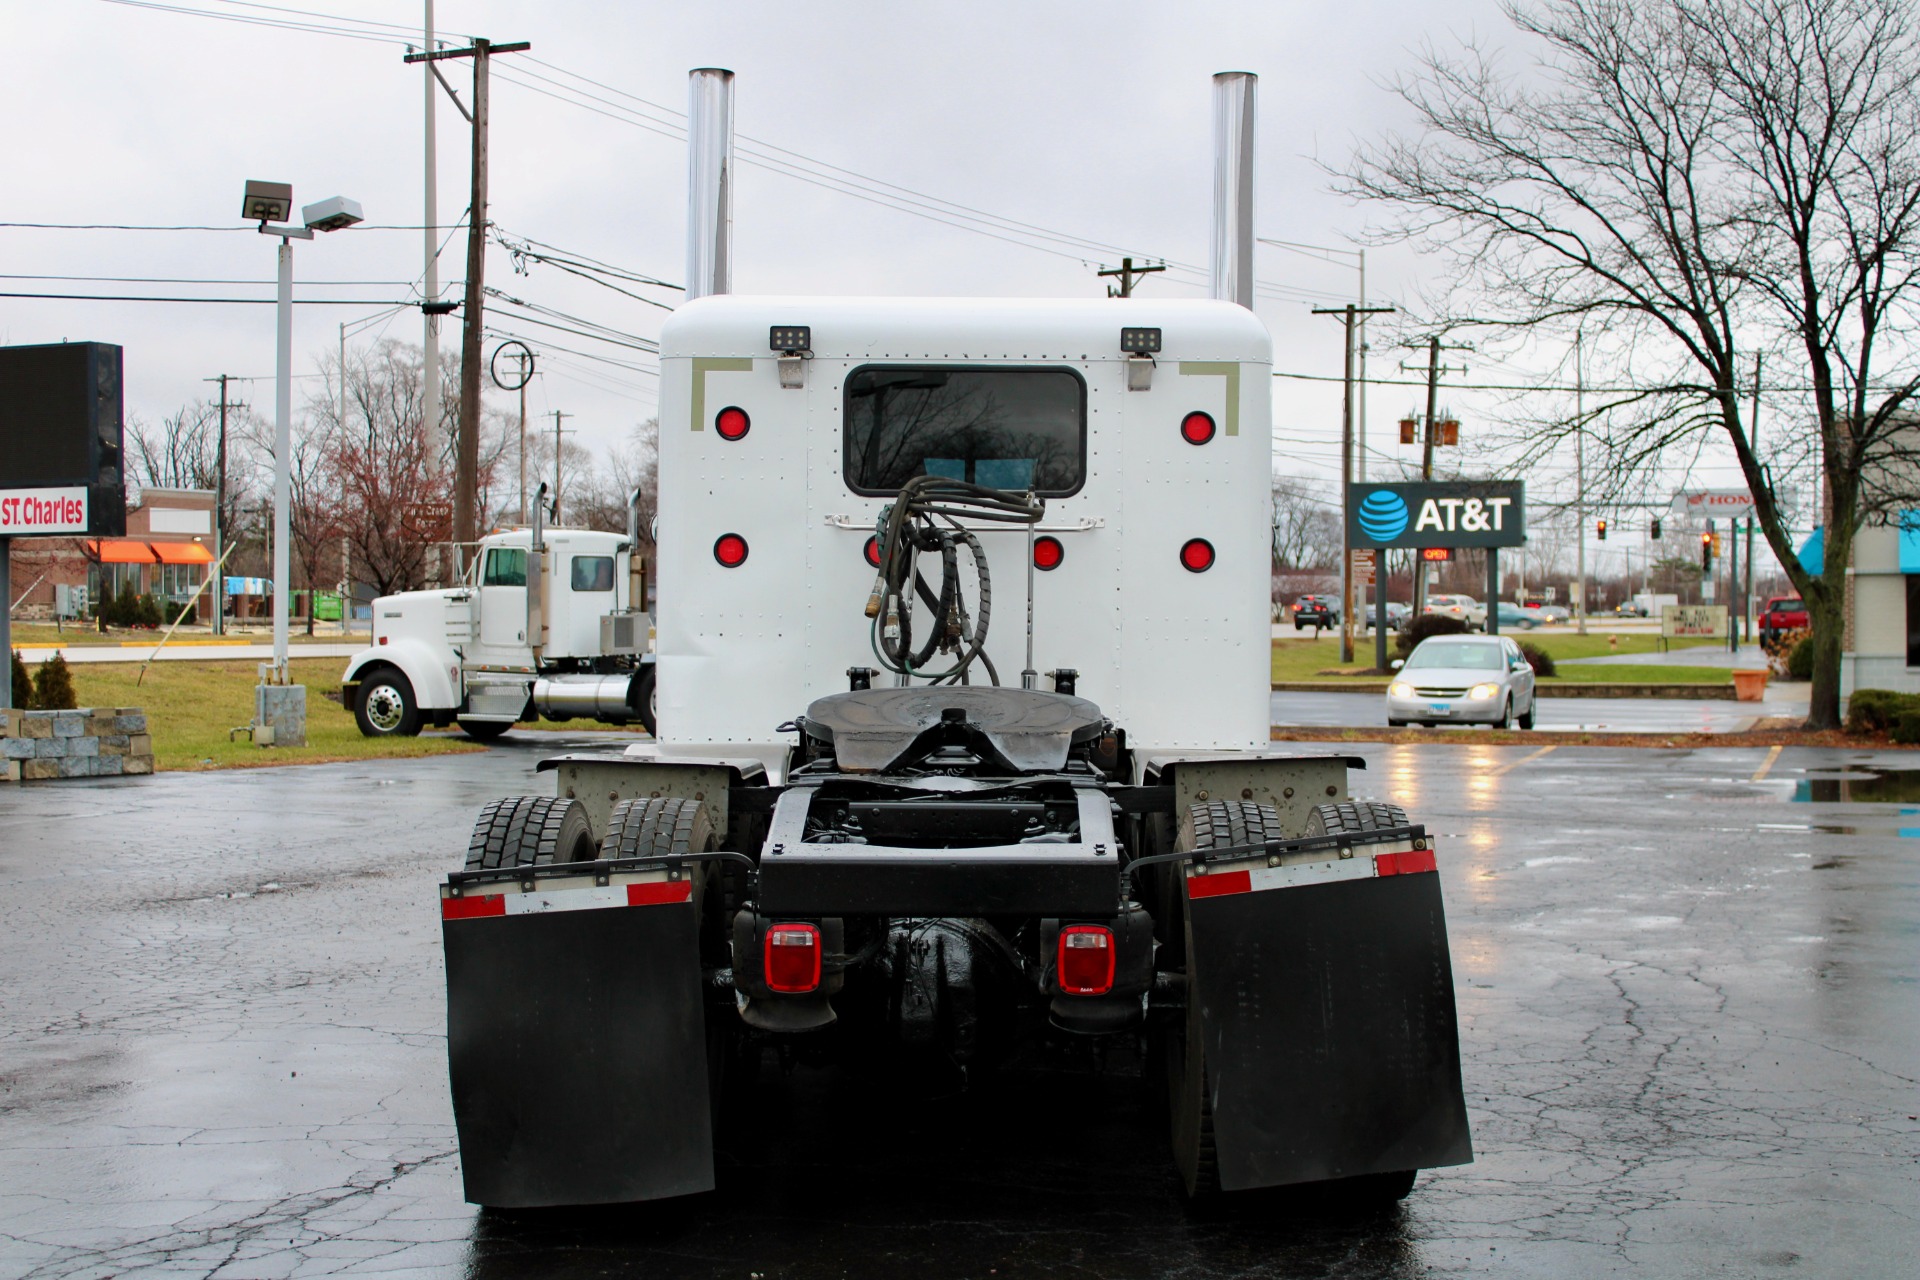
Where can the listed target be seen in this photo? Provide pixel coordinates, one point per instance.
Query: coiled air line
(907, 529)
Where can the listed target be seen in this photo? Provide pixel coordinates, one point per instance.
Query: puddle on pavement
(1880, 786)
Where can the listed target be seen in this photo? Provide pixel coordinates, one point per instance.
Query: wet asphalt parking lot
(1687, 985)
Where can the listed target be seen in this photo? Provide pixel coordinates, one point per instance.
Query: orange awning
(136, 551)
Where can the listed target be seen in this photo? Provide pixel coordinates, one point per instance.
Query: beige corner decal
(702, 366)
(1227, 369)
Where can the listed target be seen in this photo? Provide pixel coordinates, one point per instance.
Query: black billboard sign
(1441, 513)
(61, 440)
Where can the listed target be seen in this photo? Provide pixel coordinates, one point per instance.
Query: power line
(394, 284)
(264, 302)
(241, 226)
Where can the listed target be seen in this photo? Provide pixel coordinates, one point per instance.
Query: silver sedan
(1463, 680)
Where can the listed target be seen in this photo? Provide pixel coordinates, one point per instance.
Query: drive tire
(483, 730)
(1396, 724)
(385, 705)
(1506, 714)
(657, 827)
(1354, 817)
(1526, 720)
(1219, 824)
(530, 831)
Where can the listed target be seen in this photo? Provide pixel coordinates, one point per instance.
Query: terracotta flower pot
(1749, 686)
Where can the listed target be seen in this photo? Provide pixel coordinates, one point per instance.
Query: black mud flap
(576, 1042)
(1325, 997)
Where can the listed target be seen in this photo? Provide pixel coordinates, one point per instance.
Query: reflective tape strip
(1251, 879)
(651, 893)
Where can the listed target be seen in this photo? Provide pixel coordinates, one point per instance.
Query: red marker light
(1084, 960)
(730, 549)
(1197, 555)
(792, 958)
(1196, 427)
(1048, 553)
(872, 551)
(732, 423)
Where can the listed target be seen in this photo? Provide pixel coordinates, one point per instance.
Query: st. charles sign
(1452, 513)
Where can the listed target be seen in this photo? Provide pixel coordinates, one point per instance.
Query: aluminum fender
(429, 668)
(1325, 994)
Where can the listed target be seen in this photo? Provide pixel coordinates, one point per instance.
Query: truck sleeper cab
(888, 816)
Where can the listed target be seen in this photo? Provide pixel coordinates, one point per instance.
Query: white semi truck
(548, 623)
(962, 749)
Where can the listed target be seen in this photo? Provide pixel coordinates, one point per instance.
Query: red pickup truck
(1783, 613)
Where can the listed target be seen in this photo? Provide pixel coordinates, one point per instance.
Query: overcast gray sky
(1090, 121)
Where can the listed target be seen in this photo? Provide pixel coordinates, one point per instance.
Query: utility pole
(1753, 443)
(524, 357)
(1127, 271)
(1580, 481)
(219, 507)
(466, 464)
(557, 416)
(1433, 371)
(1350, 312)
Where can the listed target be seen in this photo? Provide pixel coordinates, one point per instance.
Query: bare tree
(1695, 181)
(183, 452)
(1306, 526)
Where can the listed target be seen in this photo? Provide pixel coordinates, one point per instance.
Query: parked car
(1783, 613)
(1465, 608)
(1463, 680)
(1397, 615)
(1317, 612)
(1512, 615)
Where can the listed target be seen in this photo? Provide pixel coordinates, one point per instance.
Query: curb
(1698, 692)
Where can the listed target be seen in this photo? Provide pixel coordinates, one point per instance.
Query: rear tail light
(1048, 553)
(872, 551)
(1197, 555)
(1084, 960)
(793, 958)
(1196, 427)
(730, 549)
(732, 423)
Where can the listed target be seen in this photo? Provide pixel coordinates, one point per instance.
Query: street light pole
(282, 458)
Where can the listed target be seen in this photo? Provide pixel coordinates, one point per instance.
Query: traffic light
(1706, 551)
(1602, 529)
(1656, 529)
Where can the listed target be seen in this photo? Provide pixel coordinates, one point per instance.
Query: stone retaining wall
(90, 742)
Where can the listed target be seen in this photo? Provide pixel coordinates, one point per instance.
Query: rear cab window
(1013, 428)
(593, 573)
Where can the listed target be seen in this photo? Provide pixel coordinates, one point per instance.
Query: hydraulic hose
(908, 529)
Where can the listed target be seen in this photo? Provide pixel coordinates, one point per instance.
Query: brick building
(167, 553)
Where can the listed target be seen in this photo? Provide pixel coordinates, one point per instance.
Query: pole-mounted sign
(1452, 513)
(1437, 514)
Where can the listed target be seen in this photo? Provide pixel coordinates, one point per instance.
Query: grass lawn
(1307, 659)
(191, 705)
(74, 633)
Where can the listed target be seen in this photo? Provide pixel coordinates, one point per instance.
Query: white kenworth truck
(548, 622)
(963, 745)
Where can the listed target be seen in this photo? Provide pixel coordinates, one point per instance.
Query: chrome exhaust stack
(709, 182)
(1233, 114)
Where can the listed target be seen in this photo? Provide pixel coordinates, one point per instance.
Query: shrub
(1906, 728)
(1426, 626)
(1800, 660)
(1780, 650)
(53, 686)
(22, 684)
(1875, 710)
(146, 612)
(1539, 659)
